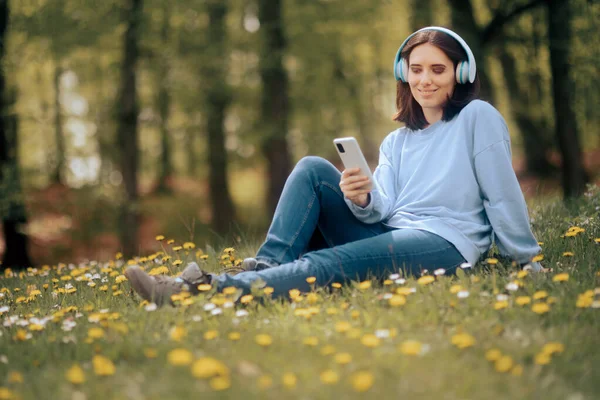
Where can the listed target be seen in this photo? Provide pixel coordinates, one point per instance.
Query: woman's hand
(355, 186)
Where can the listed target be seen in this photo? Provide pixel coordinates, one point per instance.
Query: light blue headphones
(465, 70)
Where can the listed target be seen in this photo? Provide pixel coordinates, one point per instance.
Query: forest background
(121, 120)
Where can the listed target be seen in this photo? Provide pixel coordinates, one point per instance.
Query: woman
(443, 186)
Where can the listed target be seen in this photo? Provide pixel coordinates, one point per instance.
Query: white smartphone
(352, 156)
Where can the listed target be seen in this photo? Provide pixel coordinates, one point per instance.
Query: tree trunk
(217, 99)
(59, 164)
(127, 130)
(164, 102)
(12, 208)
(275, 100)
(422, 14)
(463, 21)
(574, 176)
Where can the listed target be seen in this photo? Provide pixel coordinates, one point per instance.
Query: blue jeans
(314, 234)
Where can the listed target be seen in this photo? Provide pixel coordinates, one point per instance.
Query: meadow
(493, 331)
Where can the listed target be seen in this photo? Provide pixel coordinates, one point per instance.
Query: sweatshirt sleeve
(502, 197)
(383, 194)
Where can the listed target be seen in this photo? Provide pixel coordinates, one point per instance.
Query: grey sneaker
(159, 289)
(253, 264)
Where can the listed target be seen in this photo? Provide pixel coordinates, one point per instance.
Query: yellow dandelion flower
(96, 333)
(103, 366)
(264, 340)
(120, 278)
(463, 340)
(311, 341)
(426, 280)
(517, 370)
(492, 261)
(336, 285)
(538, 258)
(584, 301)
(264, 382)
(568, 254)
(160, 238)
(246, 299)
(234, 336)
(75, 375)
(211, 334)
(150, 352)
(177, 263)
(362, 381)
(553, 347)
(294, 293)
(178, 333)
(523, 300)
(119, 255)
(541, 294)
(370, 340)
(208, 367)
(397, 300)
(504, 364)
(268, 290)
(327, 350)
(388, 282)
(455, 289)
(329, 377)
(229, 290)
(355, 314)
(188, 246)
(14, 377)
(6, 394)
(364, 285)
(342, 326)
(343, 358)
(21, 335)
(289, 380)
(179, 357)
(118, 293)
(405, 291)
(411, 347)
(493, 355)
(311, 279)
(219, 383)
(204, 287)
(540, 308)
(177, 248)
(560, 277)
(542, 359)
(499, 305)
(170, 241)
(522, 274)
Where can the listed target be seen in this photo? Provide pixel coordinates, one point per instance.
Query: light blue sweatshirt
(454, 179)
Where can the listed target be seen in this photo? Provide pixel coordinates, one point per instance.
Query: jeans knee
(317, 165)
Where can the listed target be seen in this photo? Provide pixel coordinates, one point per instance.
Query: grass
(353, 342)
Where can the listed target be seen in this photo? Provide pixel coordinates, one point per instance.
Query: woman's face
(431, 77)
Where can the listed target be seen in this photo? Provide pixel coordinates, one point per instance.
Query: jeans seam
(370, 258)
(290, 245)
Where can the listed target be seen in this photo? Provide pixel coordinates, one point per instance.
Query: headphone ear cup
(402, 70)
(462, 72)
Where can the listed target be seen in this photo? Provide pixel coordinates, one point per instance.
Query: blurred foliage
(339, 61)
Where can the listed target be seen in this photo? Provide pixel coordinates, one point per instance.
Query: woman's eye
(415, 70)
(438, 71)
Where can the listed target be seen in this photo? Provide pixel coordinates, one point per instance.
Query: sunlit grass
(78, 331)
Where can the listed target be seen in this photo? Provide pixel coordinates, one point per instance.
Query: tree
(217, 98)
(528, 97)
(12, 208)
(275, 99)
(127, 128)
(574, 175)
(164, 103)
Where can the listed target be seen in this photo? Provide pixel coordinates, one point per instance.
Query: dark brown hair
(409, 111)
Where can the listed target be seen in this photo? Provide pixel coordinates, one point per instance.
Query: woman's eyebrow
(432, 65)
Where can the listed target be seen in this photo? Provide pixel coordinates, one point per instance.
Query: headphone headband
(470, 58)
